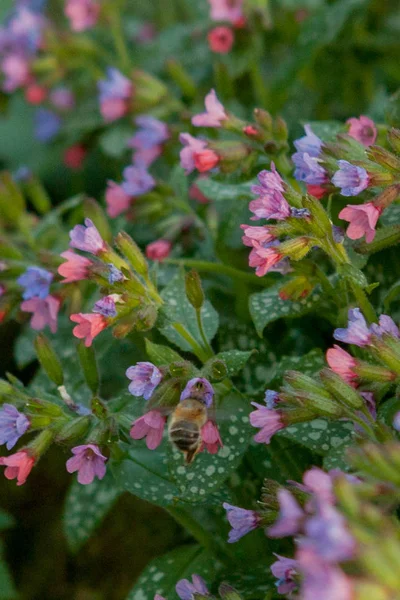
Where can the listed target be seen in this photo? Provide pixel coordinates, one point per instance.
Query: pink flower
(211, 440)
(87, 238)
(285, 570)
(151, 427)
(226, 10)
(362, 218)
(158, 250)
(273, 206)
(322, 580)
(35, 94)
(16, 71)
(18, 466)
(113, 108)
(88, 461)
(220, 39)
(264, 258)
(205, 160)
(45, 311)
(214, 115)
(89, 325)
(118, 201)
(268, 420)
(76, 268)
(191, 146)
(318, 191)
(74, 157)
(254, 235)
(342, 363)
(290, 517)
(83, 14)
(363, 130)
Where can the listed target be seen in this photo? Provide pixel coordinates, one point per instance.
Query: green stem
(197, 349)
(206, 343)
(209, 267)
(363, 302)
(119, 38)
(184, 518)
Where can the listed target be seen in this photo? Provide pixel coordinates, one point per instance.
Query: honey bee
(184, 427)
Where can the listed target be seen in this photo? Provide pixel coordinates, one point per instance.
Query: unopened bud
(194, 290)
(297, 248)
(387, 354)
(319, 404)
(145, 317)
(280, 130)
(49, 359)
(215, 370)
(296, 288)
(124, 326)
(6, 389)
(376, 461)
(74, 430)
(394, 138)
(132, 252)
(263, 118)
(182, 369)
(373, 372)
(341, 390)
(41, 442)
(320, 221)
(167, 394)
(299, 381)
(387, 197)
(98, 408)
(93, 211)
(227, 592)
(149, 90)
(43, 407)
(384, 158)
(87, 358)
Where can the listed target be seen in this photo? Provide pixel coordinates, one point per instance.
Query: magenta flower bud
(241, 520)
(351, 179)
(214, 115)
(211, 438)
(44, 312)
(290, 518)
(286, 571)
(200, 389)
(158, 250)
(149, 426)
(88, 461)
(185, 589)
(363, 130)
(342, 363)
(362, 218)
(75, 268)
(87, 238)
(269, 421)
(145, 377)
(357, 331)
(13, 425)
(192, 146)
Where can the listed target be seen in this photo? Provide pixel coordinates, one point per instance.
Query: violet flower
(241, 520)
(185, 589)
(291, 516)
(87, 238)
(137, 180)
(386, 326)
(47, 124)
(36, 282)
(269, 421)
(144, 377)
(199, 388)
(286, 572)
(13, 425)
(357, 331)
(350, 179)
(88, 461)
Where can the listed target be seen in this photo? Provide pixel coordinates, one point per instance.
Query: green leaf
(267, 306)
(336, 459)
(85, 508)
(178, 309)
(385, 237)
(7, 588)
(320, 435)
(235, 360)
(327, 130)
(144, 473)
(161, 355)
(208, 471)
(163, 573)
(114, 140)
(221, 192)
(179, 182)
(391, 216)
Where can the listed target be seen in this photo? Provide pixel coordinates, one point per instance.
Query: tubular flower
(44, 311)
(87, 238)
(89, 325)
(290, 518)
(256, 235)
(117, 200)
(241, 520)
(149, 426)
(357, 331)
(185, 589)
(13, 425)
(386, 326)
(265, 257)
(114, 95)
(286, 572)
(214, 115)
(88, 461)
(269, 421)
(147, 141)
(342, 363)
(36, 282)
(144, 377)
(137, 180)
(350, 179)
(18, 466)
(211, 439)
(362, 218)
(363, 130)
(75, 268)
(199, 388)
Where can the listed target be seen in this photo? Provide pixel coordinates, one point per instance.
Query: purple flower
(285, 570)
(185, 589)
(214, 115)
(271, 398)
(351, 179)
(36, 282)
(145, 378)
(299, 213)
(115, 86)
(191, 147)
(106, 307)
(386, 326)
(319, 483)
(137, 180)
(309, 169)
(47, 124)
(322, 580)
(242, 521)
(62, 98)
(13, 425)
(87, 238)
(271, 206)
(310, 143)
(151, 132)
(396, 421)
(114, 274)
(357, 331)
(327, 535)
(88, 461)
(269, 421)
(199, 388)
(290, 518)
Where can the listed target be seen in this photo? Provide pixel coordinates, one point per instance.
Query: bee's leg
(190, 455)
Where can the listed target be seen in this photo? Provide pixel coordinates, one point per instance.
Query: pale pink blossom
(362, 218)
(342, 363)
(118, 201)
(211, 439)
(16, 71)
(89, 325)
(363, 130)
(214, 115)
(75, 268)
(158, 250)
(88, 461)
(45, 311)
(83, 14)
(226, 10)
(18, 466)
(149, 426)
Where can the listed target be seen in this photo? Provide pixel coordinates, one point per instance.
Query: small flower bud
(49, 359)
(387, 197)
(296, 288)
(132, 252)
(95, 213)
(370, 372)
(297, 248)
(320, 221)
(384, 158)
(194, 290)
(300, 381)
(340, 389)
(182, 369)
(227, 592)
(167, 394)
(145, 317)
(387, 354)
(87, 358)
(215, 370)
(319, 404)
(74, 430)
(6, 389)
(280, 129)
(263, 118)
(394, 138)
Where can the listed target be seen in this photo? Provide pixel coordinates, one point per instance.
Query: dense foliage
(199, 219)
